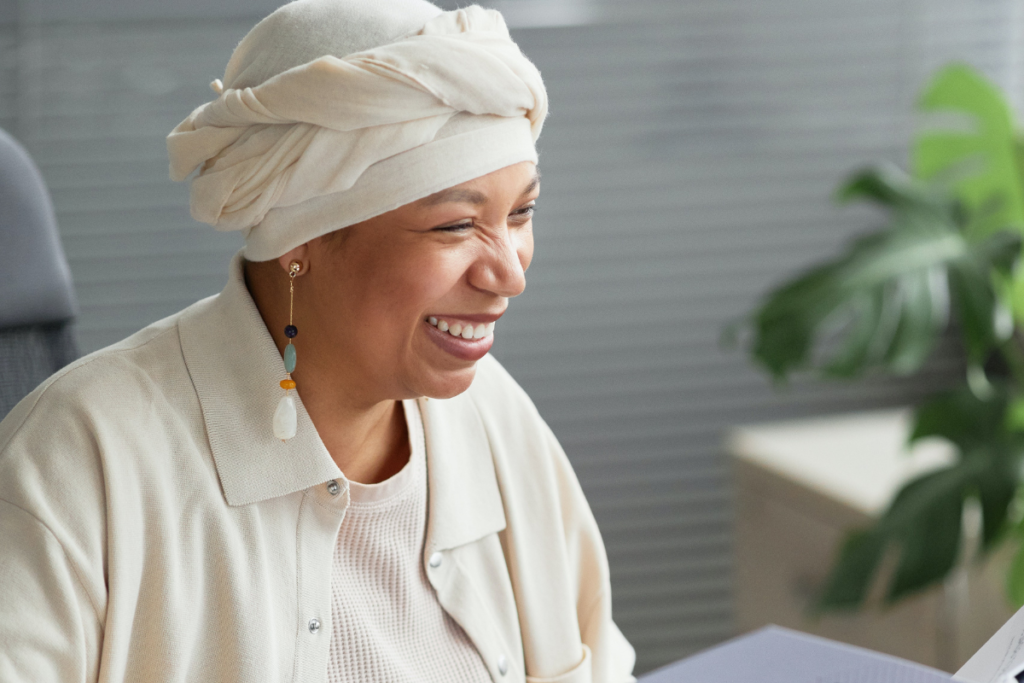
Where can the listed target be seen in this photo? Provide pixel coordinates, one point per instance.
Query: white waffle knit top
(388, 624)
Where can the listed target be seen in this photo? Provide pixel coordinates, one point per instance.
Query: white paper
(777, 655)
(1000, 659)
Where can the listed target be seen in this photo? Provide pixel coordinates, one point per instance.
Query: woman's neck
(368, 446)
(366, 438)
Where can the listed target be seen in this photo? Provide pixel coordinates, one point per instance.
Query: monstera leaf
(883, 303)
(923, 523)
(980, 162)
(980, 157)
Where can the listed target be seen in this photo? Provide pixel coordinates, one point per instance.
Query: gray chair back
(37, 299)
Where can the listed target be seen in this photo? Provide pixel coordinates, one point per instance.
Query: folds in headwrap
(316, 129)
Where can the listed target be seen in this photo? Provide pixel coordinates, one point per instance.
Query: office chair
(37, 299)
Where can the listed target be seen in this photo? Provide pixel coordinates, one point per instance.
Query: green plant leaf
(984, 166)
(981, 430)
(888, 297)
(854, 571)
(960, 418)
(974, 292)
(997, 486)
(923, 522)
(1015, 415)
(925, 312)
(888, 186)
(982, 163)
(1015, 578)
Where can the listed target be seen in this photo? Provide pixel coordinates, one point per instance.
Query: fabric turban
(335, 111)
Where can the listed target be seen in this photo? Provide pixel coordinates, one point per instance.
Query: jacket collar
(236, 367)
(465, 502)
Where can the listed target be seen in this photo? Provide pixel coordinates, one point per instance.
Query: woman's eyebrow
(533, 184)
(454, 194)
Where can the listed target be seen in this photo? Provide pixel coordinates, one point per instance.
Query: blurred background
(689, 163)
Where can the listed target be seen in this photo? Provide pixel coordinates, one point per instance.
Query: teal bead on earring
(289, 358)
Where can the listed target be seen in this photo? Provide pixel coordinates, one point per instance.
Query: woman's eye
(458, 227)
(525, 212)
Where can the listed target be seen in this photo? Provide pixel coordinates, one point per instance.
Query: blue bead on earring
(285, 417)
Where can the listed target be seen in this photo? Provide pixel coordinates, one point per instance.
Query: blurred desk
(800, 486)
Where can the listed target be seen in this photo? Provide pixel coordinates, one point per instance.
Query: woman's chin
(450, 383)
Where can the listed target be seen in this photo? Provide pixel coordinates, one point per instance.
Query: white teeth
(470, 331)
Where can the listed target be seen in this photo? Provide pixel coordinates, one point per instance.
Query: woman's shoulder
(86, 411)
(97, 383)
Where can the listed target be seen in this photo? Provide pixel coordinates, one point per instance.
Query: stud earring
(285, 417)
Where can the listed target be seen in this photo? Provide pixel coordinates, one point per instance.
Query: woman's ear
(300, 254)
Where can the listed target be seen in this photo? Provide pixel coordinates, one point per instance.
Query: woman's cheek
(436, 277)
(525, 248)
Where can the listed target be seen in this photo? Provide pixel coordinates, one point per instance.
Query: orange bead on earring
(285, 417)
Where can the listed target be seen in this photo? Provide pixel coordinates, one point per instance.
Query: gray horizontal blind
(688, 163)
(8, 74)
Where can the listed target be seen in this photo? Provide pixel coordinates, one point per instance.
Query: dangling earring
(285, 417)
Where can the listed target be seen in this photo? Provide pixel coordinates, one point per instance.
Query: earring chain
(293, 270)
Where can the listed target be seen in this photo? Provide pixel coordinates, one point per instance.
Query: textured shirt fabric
(153, 529)
(388, 624)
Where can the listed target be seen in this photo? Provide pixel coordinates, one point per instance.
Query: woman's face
(404, 304)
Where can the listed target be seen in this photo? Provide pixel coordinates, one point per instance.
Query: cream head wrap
(335, 111)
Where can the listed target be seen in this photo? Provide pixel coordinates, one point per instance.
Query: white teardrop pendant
(285, 418)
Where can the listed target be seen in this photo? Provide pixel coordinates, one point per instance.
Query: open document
(779, 655)
(1001, 659)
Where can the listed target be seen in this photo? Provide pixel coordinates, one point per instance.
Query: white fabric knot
(314, 129)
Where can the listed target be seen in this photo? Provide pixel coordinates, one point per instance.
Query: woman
(319, 474)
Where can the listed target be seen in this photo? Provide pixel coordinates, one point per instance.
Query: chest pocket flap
(581, 673)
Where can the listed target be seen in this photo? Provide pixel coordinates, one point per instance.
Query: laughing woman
(319, 474)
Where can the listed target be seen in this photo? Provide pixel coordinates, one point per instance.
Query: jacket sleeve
(612, 657)
(49, 628)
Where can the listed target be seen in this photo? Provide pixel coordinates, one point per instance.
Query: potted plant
(945, 259)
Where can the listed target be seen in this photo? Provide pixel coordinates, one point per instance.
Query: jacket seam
(71, 564)
(592, 606)
(299, 580)
(74, 367)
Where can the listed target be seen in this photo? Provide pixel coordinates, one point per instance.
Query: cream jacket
(152, 529)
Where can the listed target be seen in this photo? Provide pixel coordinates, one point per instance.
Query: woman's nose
(501, 268)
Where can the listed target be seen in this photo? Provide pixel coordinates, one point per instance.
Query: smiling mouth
(462, 330)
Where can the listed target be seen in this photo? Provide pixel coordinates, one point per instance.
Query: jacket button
(333, 488)
(314, 625)
(502, 665)
(435, 560)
